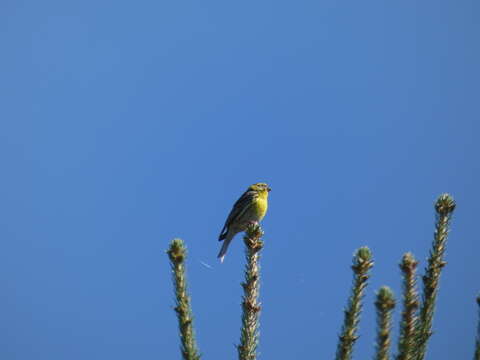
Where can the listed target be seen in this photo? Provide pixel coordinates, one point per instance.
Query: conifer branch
(385, 304)
(247, 349)
(177, 253)
(406, 344)
(477, 342)
(362, 263)
(444, 207)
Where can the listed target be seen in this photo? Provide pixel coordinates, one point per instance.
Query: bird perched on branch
(250, 208)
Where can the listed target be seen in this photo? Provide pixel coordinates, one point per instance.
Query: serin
(250, 208)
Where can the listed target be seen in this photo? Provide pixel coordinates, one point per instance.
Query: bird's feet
(251, 225)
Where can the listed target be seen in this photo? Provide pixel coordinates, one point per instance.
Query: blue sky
(127, 124)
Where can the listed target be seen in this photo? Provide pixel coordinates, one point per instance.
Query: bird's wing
(239, 208)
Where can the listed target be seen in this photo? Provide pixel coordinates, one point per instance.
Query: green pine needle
(444, 207)
(247, 349)
(177, 254)
(406, 344)
(385, 303)
(362, 263)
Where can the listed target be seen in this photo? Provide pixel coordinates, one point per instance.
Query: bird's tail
(223, 250)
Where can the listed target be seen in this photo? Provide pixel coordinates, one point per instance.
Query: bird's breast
(261, 206)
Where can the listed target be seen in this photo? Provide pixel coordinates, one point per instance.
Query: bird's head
(260, 188)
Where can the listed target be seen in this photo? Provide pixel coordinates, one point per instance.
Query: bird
(250, 208)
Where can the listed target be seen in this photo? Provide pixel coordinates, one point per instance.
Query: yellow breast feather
(261, 206)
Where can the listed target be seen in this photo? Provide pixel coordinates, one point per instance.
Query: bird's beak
(269, 189)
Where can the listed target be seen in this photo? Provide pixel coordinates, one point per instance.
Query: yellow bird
(250, 208)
